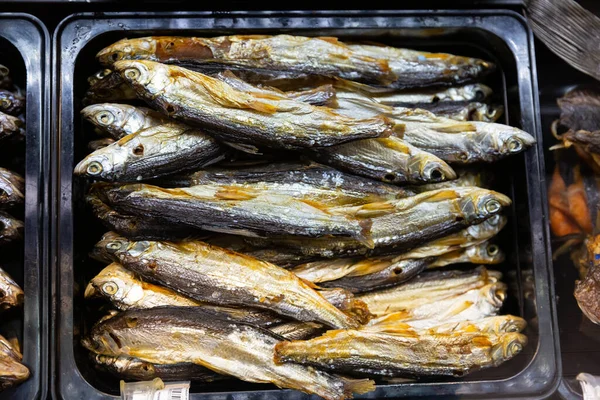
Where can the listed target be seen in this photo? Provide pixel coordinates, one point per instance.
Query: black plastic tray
(24, 48)
(501, 36)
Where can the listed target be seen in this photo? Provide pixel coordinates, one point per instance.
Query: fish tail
(358, 386)
(279, 356)
(359, 310)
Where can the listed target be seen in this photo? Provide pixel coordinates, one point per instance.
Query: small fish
(94, 145)
(464, 111)
(402, 353)
(461, 142)
(433, 215)
(495, 325)
(390, 160)
(11, 103)
(218, 276)
(249, 211)
(106, 86)
(11, 295)
(151, 153)
(466, 177)
(4, 71)
(12, 188)
(12, 372)
(430, 286)
(312, 181)
(131, 368)
(244, 117)
(422, 69)
(170, 335)
(482, 253)
(126, 291)
(474, 92)
(446, 307)
(394, 274)
(11, 229)
(295, 56)
(11, 127)
(120, 120)
(131, 226)
(587, 289)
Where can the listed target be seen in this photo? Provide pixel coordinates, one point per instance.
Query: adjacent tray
(24, 48)
(500, 36)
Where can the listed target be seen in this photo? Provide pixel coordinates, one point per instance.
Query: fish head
(4, 71)
(102, 340)
(127, 49)
(11, 294)
(13, 372)
(98, 76)
(479, 204)
(116, 284)
(476, 92)
(107, 115)
(10, 227)
(508, 345)
(150, 76)
(494, 293)
(509, 323)
(10, 101)
(105, 163)
(9, 193)
(485, 253)
(498, 140)
(427, 168)
(488, 228)
(110, 246)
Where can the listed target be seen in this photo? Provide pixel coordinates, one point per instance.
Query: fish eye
(132, 73)
(5, 103)
(110, 288)
(492, 250)
(463, 156)
(116, 56)
(4, 71)
(114, 246)
(512, 328)
(479, 95)
(105, 118)
(492, 206)
(515, 145)
(94, 168)
(514, 348)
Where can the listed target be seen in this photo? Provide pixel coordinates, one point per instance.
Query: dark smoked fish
(11, 127)
(106, 86)
(12, 371)
(188, 335)
(218, 276)
(11, 103)
(244, 117)
(249, 211)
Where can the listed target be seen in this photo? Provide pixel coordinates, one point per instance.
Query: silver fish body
(150, 153)
(176, 335)
(244, 117)
(214, 275)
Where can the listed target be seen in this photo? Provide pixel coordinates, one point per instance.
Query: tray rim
(534, 158)
(35, 313)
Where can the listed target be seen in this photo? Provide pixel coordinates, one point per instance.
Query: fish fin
(481, 341)
(359, 310)
(310, 284)
(398, 130)
(442, 195)
(358, 386)
(398, 330)
(376, 209)
(458, 127)
(243, 147)
(233, 193)
(316, 204)
(329, 39)
(223, 94)
(364, 235)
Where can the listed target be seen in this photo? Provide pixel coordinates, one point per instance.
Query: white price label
(155, 390)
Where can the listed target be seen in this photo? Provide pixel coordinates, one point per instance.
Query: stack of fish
(12, 197)
(279, 215)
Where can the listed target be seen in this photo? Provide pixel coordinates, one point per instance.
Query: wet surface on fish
(11, 127)
(12, 371)
(11, 103)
